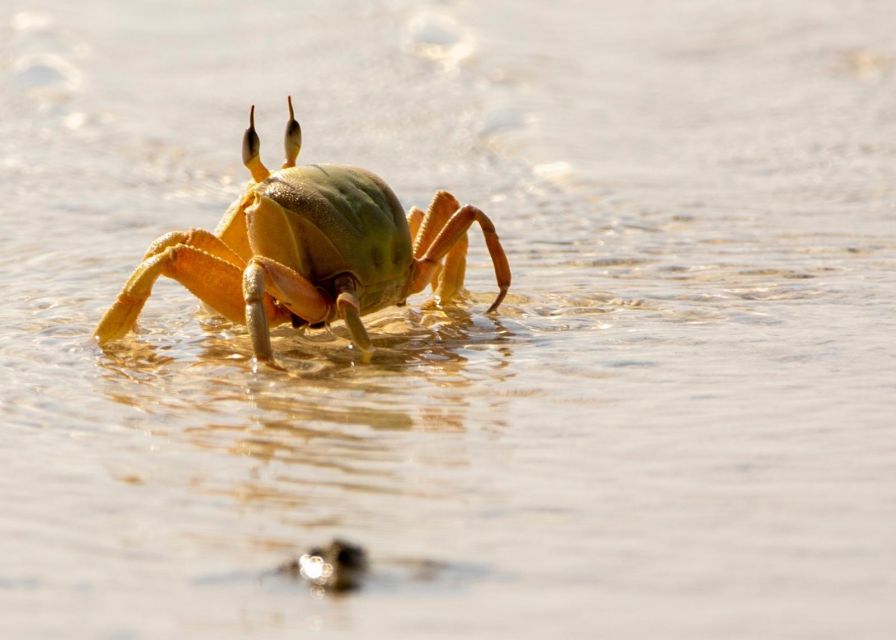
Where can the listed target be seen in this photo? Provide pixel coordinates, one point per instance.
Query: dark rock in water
(338, 567)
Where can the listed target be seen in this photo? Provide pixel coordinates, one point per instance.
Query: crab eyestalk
(251, 149)
(292, 141)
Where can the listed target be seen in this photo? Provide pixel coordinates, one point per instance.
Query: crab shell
(344, 220)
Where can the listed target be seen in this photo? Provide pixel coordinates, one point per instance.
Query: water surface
(679, 425)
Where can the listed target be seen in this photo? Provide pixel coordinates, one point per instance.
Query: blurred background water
(680, 424)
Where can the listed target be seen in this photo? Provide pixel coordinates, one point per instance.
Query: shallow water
(680, 423)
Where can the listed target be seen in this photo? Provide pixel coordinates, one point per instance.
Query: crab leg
(232, 227)
(437, 215)
(275, 268)
(210, 278)
(198, 239)
(350, 309)
(449, 236)
(415, 218)
(292, 290)
(447, 281)
(450, 280)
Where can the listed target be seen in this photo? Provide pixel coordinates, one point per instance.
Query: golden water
(679, 425)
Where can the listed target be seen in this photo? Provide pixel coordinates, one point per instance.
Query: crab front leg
(301, 297)
(349, 309)
(210, 278)
(275, 246)
(293, 291)
(272, 270)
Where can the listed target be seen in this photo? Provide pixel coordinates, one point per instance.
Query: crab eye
(292, 141)
(251, 150)
(251, 141)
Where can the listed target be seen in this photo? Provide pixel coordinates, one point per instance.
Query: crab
(310, 245)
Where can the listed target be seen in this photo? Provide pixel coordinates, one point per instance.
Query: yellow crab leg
(450, 280)
(211, 279)
(291, 290)
(447, 281)
(349, 309)
(450, 234)
(198, 239)
(232, 227)
(415, 218)
(437, 215)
